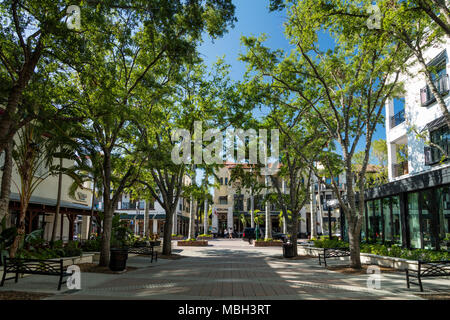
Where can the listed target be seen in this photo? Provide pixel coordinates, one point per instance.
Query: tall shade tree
(134, 58)
(345, 89)
(34, 38)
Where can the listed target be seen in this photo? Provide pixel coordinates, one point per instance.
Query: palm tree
(31, 160)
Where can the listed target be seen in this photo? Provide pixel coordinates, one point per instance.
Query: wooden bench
(34, 266)
(333, 253)
(427, 269)
(147, 251)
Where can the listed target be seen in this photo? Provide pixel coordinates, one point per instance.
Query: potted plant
(119, 246)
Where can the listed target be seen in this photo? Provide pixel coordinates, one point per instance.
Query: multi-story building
(231, 201)
(133, 211)
(75, 212)
(413, 209)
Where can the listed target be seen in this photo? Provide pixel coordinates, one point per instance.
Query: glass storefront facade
(423, 223)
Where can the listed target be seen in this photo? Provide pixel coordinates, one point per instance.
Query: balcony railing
(400, 169)
(398, 118)
(427, 97)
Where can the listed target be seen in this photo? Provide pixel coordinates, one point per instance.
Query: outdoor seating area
(18, 266)
(333, 253)
(428, 269)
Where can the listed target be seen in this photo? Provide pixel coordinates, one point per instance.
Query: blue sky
(255, 19)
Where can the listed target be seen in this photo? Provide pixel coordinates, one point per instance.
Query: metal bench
(147, 251)
(34, 266)
(333, 253)
(427, 269)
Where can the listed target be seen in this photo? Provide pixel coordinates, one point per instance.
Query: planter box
(197, 243)
(268, 243)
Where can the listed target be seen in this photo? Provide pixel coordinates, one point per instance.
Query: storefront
(412, 212)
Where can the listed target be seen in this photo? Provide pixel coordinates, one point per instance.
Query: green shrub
(93, 245)
(333, 243)
(72, 249)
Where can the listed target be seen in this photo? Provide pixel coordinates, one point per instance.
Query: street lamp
(331, 204)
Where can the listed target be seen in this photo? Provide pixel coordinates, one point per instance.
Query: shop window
(444, 218)
(396, 221)
(413, 220)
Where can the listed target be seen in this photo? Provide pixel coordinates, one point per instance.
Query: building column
(215, 220)
(230, 219)
(155, 226)
(85, 227)
(174, 223)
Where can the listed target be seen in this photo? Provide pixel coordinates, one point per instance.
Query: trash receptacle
(288, 250)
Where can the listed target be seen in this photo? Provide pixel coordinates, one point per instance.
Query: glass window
(374, 216)
(428, 215)
(387, 218)
(223, 200)
(413, 220)
(444, 218)
(239, 202)
(396, 221)
(439, 137)
(399, 104)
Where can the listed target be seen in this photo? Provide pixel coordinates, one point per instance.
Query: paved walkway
(228, 269)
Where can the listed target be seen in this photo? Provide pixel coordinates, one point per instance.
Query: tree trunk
(205, 217)
(294, 232)
(92, 210)
(313, 211)
(268, 230)
(252, 210)
(108, 212)
(352, 216)
(354, 244)
(146, 217)
(167, 237)
(6, 183)
(58, 203)
(320, 217)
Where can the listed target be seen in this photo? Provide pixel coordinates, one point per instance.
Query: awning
(50, 202)
(440, 58)
(435, 124)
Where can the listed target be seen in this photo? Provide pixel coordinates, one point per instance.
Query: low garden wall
(366, 258)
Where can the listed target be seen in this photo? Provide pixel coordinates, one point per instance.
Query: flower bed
(177, 237)
(193, 243)
(268, 243)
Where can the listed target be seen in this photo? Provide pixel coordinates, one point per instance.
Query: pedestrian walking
(230, 233)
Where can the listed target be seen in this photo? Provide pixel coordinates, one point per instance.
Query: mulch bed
(346, 269)
(435, 296)
(17, 295)
(95, 268)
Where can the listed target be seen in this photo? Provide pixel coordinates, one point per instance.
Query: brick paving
(228, 269)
